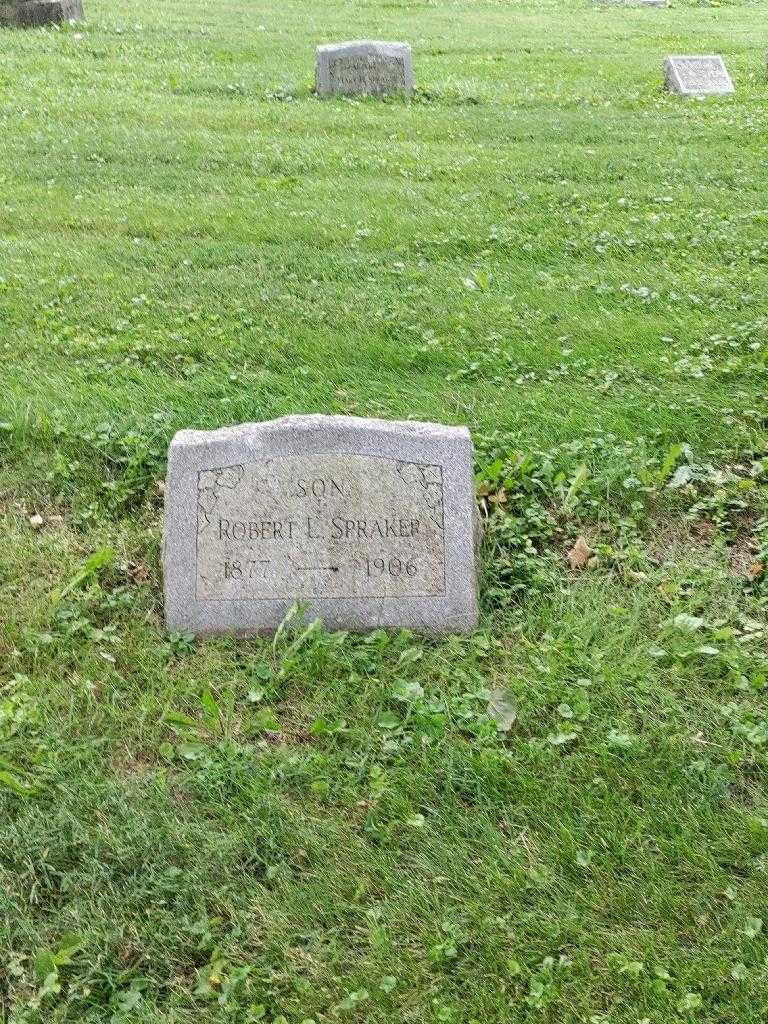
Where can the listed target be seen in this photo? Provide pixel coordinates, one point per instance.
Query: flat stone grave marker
(369, 523)
(697, 76)
(632, 3)
(32, 13)
(364, 67)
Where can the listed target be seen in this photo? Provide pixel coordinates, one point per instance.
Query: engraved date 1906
(394, 567)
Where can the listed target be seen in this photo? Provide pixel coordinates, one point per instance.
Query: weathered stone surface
(32, 13)
(697, 76)
(364, 67)
(369, 523)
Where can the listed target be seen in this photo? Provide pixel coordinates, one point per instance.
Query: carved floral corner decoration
(209, 483)
(430, 479)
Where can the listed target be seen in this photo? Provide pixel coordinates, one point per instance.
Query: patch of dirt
(131, 764)
(743, 559)
(686, 541)
(677, 540)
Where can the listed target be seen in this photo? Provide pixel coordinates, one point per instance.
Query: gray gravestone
(32, 13)
(633, 3)
(369, 523)
(697, 76)
(364, 67)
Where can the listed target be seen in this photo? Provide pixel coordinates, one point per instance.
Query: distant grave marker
(364, 67)
(697, 76)
(371, 523)
(632, 3)
(33, 13)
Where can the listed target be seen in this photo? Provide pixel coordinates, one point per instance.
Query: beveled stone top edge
(695, 56)
(350, 43)
(318, 422)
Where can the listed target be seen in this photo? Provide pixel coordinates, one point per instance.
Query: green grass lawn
(543, 246)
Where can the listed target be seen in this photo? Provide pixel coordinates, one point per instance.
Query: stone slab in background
(364, 67)
(370, 523)
(632, 3)
(33, 13)
(697, 76)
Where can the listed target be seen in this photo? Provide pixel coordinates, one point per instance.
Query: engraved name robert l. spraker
(341, 526)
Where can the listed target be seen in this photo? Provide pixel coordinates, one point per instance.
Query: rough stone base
(33, 13)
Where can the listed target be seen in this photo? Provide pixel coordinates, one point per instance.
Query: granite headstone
(697, 76)
(369, 523)
(33, 13)
(632, 3)
(364, 67)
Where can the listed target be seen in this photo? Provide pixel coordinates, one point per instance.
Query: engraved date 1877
(252, 569)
